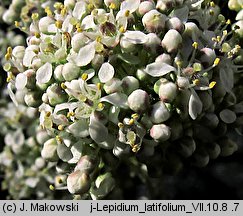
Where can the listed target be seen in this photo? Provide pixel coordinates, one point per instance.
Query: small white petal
(158, 69)
(21, 81)
(28, 57)
(85, 54)
(63, 106)
(44, 73)
(130, 5)
(106, 72)
(117, 99)
(195, 105)
(88, 22)
(79, 9)
(136, 37)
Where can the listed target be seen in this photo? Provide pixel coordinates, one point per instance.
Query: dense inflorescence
(149, 84)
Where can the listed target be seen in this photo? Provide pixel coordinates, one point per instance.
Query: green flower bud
(55, 94)
(160, 132)
(129, 84)
(175, 23)
(40, 163)
(200, 158)
(145, 7)
(172, 41)
(41, 136)
(97, 61)
(138, 101)
(210, 120)
(153, 43)
(70, 71)
(167, 91)
(154, 21)
(69, 3)
(227, 116)
(191, 29)
(159, 113)
(49, 150)
(78, 182)
(113, 85)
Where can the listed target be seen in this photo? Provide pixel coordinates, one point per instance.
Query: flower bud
(167, 91)
(55, 94)
(138, 101)
(153, 43)
(186, 146)
(200, 158)
(129, 84)
(145, 7)
(239, 29)
(234, 5)
(160, 132)
(97, 61)
(228, 147)
(70, 71)
(159, 113)
(113, 85)
(165, 5)
(190, 29)
(44, 23)
(164, 58)
(141, 75)
(175, 23)
(32, 99)
(58, 73)
(207, 56)
(49, 150)
(87, 164)
(172, 41)
(182, 82)
(213, 150)
(78, 182)
(69, 3)
(41, 136)
(154, 21)
(121, 149)
(40, 162)
(227, 116)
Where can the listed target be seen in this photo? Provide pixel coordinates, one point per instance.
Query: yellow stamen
(120, 125)
(64, 11)
(211, 12)
(196, 82)
(51, 187)
(82, 98)
(216, 61)
(60, 127)
(70, 114)
(84, 76)
(63, 86)
(131, 121)
(122, 29)
(58, 139)
(212, 84)
(225, 32)
(35, 16)
(48, 11)
(228, 22)
(58, 24)
(195, 45)
(100, 105)
(7, 56)
(9, 50)
(98, 39)
(99, 86)
(112, 6)
(90, 7)
(218, 38)
(48, 114)
(135, 116)
(212, 4)
(17, 24)
(37, 35)
(127, 13)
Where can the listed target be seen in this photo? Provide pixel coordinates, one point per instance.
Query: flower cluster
(149, 84)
